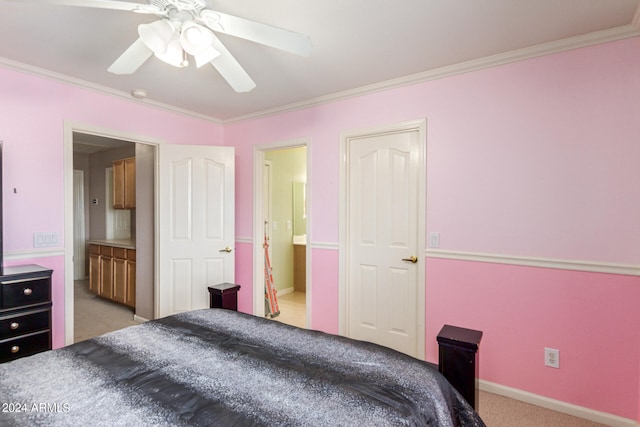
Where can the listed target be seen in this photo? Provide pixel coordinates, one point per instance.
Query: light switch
(44, 240)
(434, 239)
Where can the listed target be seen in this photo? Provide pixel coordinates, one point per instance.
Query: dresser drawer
(25, 323)
(25, 292)
(24, 346)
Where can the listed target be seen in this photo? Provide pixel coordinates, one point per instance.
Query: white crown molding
(557, 405)
(558, 264)
(618, 33)
(41, 72)
(570, 43)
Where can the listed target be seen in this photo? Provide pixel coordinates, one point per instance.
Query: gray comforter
(218, 367)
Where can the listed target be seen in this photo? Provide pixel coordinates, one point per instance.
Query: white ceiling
(359, 45)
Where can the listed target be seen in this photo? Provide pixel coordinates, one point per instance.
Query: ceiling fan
(187, 28)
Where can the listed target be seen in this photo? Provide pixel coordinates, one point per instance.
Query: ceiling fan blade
(231, 69)
(131, 59)
(100, 4)
(268, 35)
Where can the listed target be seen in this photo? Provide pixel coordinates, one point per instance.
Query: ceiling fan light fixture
(195, 39)
(157, 35)
(174, 55)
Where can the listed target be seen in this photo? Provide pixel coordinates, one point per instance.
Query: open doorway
(99, 227)
(84, 164)
(281, 207)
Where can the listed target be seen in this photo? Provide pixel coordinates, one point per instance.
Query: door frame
(343, 283)
(258, 225)
(69, 128)
(79, 208)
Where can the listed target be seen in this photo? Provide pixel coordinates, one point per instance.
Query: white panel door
(196, 191)
(382, 226)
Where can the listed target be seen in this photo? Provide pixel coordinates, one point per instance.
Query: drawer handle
(14, 325)
(27, 291)
(15, 349)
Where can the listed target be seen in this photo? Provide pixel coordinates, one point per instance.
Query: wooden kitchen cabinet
(112, 273)
(124, 183)
(119, 274)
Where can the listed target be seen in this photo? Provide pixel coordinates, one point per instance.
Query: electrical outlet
(551, 357)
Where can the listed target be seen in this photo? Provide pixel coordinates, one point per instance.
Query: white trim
(561, 264)
(557, 405)
(69, 128)
(414, 125)
(325, 245)
(32, 253)
(139, 318)
(41, 72)
(313, 245)
(618, 33)
(258, 255)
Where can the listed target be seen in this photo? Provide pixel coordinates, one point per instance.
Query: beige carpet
(95, 316)
(500, 411)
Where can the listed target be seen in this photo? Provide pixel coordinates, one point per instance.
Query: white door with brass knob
(384, 298)
(196, 225)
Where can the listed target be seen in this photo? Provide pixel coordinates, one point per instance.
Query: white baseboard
(557, 405)
(139, 319)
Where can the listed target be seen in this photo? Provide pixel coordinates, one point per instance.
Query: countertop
(117, 243)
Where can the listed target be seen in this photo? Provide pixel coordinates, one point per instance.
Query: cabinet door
(106, 272)
(130, 183)
(118, 184)
(94, 269)
(119, 279)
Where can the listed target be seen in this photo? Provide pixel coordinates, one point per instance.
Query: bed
(220, 367)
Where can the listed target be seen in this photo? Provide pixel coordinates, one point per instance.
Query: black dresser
(25, 311)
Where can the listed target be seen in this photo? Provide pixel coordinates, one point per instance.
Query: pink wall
(536, 158)
(592, 318)
(32, 116)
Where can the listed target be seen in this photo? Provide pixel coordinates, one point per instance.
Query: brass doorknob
(227, 249)
(413, 259)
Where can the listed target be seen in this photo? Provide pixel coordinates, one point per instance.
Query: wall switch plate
(45, 240)
(551, 357)
(434, 239)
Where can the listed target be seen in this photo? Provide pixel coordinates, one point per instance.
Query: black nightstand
(25, 311)
(224, 295)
